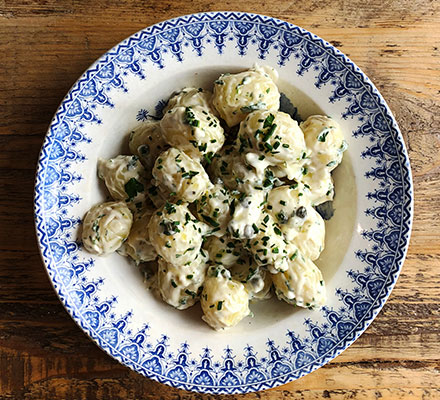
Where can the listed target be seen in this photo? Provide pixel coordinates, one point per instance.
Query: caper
(282, 218)
(144, 149)
(301, 212)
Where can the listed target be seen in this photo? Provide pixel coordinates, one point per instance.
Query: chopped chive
(323, 135)
(190, 293)
(210, 221)
(268, 121)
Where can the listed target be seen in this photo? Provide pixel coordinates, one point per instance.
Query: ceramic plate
(366, 239)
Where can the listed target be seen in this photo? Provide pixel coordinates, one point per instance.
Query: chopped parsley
(132, 188)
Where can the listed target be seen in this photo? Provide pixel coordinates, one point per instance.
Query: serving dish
(367, 238)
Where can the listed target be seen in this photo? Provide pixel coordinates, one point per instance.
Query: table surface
(46, 45)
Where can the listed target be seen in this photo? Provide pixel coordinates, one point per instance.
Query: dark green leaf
(133, 187)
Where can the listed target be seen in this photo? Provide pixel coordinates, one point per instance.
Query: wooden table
(45, 45)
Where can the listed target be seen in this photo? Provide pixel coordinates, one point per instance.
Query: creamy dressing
(268, 247)
(213, 208)
(276, 138)
(286, 204)
(105, 227)
(256, 162)
(191, 97)
(324, 138)
(193, 130)
(176, 234)
(301, 284)
(319, 182)
(256, 280)
(225, 302)
(146, 141)
(237, 95)
(138, 245)
(246, 215)
(180, 286)
(310, 236)
(223, 250)
(124, 177)
(179, 176)
(266, 227)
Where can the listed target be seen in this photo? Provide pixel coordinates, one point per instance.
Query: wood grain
(46, 45)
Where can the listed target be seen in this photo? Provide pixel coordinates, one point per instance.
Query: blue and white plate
(366, 239)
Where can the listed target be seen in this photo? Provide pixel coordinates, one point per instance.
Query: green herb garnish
(252, 107)
(190, 118)
(322, 136)
(132, 188)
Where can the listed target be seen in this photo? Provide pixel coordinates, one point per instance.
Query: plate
(366, 240)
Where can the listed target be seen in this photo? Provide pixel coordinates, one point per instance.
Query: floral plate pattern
(225, 364)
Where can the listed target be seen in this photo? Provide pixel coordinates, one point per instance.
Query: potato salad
(219, 199)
